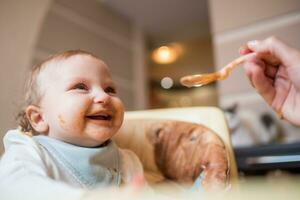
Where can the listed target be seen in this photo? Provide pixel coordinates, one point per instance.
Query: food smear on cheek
(61, 121)
(73, 123)
(79, 120)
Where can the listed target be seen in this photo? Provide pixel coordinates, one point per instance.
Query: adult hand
(274, 71)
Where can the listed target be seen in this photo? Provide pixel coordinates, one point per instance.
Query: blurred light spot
(166, 82)
(165, 55)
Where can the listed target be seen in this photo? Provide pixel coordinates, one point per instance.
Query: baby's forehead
(82, 57)
(55, 67)
(58, 64)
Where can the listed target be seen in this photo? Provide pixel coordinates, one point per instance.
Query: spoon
(203, 79)
(198, 80)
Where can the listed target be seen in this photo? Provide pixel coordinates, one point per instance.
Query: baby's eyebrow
(111, 83)
(77, 79)
(105, 83)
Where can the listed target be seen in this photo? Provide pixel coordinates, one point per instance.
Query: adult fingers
(244, 50)
(272, 49)
(271, 71)
(258, 79)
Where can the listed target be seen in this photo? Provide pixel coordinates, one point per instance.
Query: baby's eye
(80, 86)
(110, 90)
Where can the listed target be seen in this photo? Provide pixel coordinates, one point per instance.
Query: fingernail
(242, 50)
(252, 43)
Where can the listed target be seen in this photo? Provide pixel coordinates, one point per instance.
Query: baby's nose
(101, 96)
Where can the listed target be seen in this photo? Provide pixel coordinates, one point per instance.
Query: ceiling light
(165, 55)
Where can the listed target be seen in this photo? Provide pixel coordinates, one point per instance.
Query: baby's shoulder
(18, 144)
(17, 137)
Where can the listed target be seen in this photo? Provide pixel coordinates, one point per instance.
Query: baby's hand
(134, 186)
(138, 181)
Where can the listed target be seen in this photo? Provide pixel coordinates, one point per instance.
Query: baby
(63, 146)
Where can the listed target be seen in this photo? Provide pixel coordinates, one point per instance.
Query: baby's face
(80, 103)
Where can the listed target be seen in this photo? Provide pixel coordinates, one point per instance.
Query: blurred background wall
(20, 24)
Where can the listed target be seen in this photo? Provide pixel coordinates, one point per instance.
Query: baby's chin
(101, 134)
(89, 142)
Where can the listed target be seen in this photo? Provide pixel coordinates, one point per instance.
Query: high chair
(133, 134)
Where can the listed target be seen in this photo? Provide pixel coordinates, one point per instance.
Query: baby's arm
(131, 166)
(23, 173)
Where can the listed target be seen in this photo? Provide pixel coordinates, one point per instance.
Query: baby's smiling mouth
(101, 116)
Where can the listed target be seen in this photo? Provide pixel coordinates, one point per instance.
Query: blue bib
(89, 166)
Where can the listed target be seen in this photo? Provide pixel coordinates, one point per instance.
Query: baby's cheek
(119, 110)
(70, 122)
(78, 121)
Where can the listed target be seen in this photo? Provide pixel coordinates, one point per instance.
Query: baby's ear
(35, 117)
